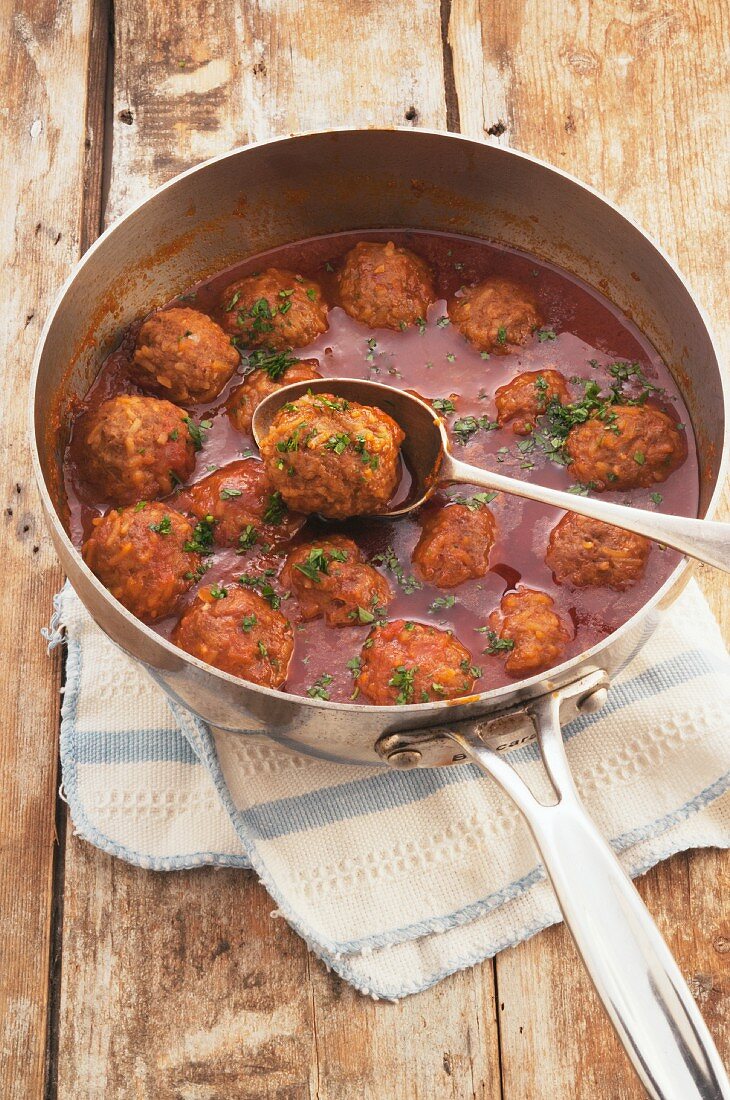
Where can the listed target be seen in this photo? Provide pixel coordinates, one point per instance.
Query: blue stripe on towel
(133, 747)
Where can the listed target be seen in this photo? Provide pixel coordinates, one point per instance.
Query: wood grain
(181, 985)
(628, 97)
(44, 53)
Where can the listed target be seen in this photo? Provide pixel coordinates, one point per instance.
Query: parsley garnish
(443, 405)
(164, 527)
(275, 510)
(442, 602)
(547, 333)
(318, 561)
(355, 665)
(263, 585)
(230, 494)
(478, 500)
(389, 559)
(338, 443)
(465, 427)
(274, 363)
(247, 623)
(247, 538)
(202, 540)
(318, 690)
(656, 498)
(501, 335)
(402, 679)
(496, 644)
(196, 431)
(218, 591)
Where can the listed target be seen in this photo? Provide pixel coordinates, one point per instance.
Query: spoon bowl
(427, 453)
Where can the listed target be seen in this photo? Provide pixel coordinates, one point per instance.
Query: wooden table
(120, 983)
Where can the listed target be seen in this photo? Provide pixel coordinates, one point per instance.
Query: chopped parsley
(247, 538)
(443, 405)
(262, 648)
(339, 442)
(355, 665)
(318, 561)
(639, 458)
(263, 585)
(495, 643)
(140, 505)
(218, 591)
(501, 335)
(248, 622)
(271, 362)
(196, 431)
(442, 603)
(443, 322)
(545, 334)
(202, 540)
(656, 498)
(275, 510)
(402, 680)
(389, 559)
(478, 500)
(318, 690)
(466, 426)
(174, 435)
(233, 302)
(580, 490)
(469, 669)
(164, 527)
(229, 494)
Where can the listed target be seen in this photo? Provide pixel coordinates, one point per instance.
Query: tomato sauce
(584, 334)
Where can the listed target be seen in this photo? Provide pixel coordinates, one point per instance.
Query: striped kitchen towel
(395, 879)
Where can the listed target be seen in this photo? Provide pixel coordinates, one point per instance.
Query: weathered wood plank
(627, 97)
(181, 985)
(44, 54)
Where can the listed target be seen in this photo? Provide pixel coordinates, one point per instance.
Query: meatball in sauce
(145, 556)
(183, 355)
(533, 373)
(335, 457)
(331, 578)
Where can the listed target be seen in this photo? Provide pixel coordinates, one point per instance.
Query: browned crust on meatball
(139, 554)
(183, 355)
(245, 399)
(405, 662)
(455, 544)
(330, 578)
(496, 315)
(528, 395)
(245, 507)
(238, 633)
(332, 456)
(528, 619)
(275, 308)
(132, 448)
(385, 286)
(634, 446)
(586, 553)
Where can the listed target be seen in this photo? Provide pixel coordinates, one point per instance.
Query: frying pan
(275, 192)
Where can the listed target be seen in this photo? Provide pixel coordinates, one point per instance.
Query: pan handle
(632, 968)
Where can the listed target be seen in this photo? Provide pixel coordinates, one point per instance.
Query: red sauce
(438, 362)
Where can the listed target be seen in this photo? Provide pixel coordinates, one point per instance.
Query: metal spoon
(427, 453)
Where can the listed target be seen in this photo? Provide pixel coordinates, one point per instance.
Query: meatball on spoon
(427, 453)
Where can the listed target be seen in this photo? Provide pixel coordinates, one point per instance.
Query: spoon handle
(703, 539)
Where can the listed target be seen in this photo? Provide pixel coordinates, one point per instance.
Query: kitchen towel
(394, 879)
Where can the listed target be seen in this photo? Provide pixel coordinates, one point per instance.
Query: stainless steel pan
(269, 194)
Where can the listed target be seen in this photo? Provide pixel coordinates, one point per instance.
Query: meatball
(634, 446)
(236, 630)
(455, 544)
(405, 662)
(132, 448)
(330, 578)
(242, 506)
(336, 457)
(496, 315)
(275, 309)
(245, 399)
(585, 553)
(385, 286)
(140, 554)
(529, 630)
(527, 396)
(183, 355)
